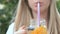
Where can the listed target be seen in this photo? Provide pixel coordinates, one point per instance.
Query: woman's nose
(37, 0)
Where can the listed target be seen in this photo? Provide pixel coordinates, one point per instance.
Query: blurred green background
(7, 10)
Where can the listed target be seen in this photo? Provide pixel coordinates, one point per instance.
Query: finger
(21, 32)
(22, 27)
(25, 31)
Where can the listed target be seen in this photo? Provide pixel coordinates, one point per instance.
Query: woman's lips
(37, 5)
(41, 4)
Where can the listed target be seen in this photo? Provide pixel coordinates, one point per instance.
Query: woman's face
(44, 4)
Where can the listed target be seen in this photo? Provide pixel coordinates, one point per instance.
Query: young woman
(27, 10)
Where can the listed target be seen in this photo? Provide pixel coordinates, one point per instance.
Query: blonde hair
(23, 17)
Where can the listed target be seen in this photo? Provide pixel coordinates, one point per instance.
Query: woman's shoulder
(10, 29)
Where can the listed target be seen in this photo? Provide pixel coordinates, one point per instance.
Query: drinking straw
(38, 14)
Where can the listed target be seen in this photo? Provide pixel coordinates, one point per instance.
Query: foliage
(6, 14)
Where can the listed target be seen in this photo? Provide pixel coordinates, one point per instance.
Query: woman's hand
(21, 30)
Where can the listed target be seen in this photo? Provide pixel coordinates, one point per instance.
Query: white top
(10, 29)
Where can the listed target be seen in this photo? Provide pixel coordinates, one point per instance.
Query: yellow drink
(34, 29)
(40, 30)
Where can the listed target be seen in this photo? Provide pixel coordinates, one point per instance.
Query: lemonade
(42, 29)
